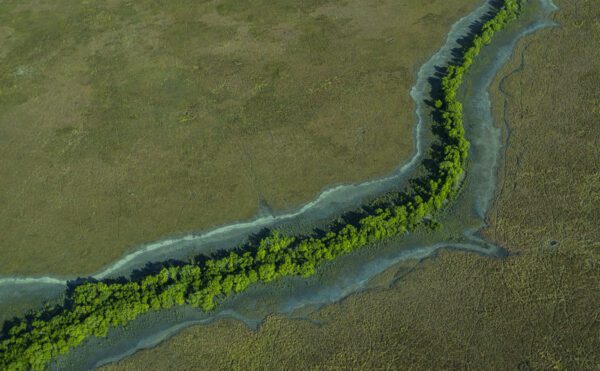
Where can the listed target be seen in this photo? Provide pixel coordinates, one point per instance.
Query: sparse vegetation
(95, 306)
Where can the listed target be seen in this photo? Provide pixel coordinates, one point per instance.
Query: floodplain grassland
(537, 309)
(124, 122)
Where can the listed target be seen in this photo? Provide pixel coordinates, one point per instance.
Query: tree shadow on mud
(475, 28)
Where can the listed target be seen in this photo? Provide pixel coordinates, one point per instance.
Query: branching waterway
(295, 296)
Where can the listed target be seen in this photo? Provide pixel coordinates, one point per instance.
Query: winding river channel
(297, 297)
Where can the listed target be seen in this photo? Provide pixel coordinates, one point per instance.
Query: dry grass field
(124, 122)
(537, 309)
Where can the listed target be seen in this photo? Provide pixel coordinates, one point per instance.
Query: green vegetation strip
(93, 307)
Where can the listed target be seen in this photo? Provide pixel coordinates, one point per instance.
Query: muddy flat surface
(537, 309)
(122, 123)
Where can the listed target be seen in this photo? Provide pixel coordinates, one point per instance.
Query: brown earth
(537, 309)
(125, 122)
